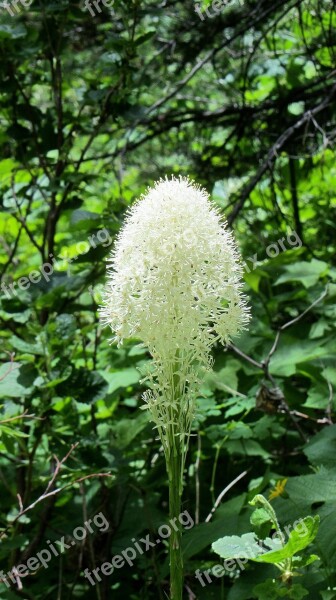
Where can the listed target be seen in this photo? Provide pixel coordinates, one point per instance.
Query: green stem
(214, 469)
(260, 499)
(175, 548)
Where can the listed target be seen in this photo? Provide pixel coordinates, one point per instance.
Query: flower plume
(174, 282)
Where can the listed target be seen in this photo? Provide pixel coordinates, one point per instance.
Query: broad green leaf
(225, 379)
(125, 430)
(292, 353)
(308, 273)
(321, 449)
(297, 541)
(16, 380)
(121, 379)
(329, 374)
(318, 396)
(259, 517)
(26, 347)
(12, 30)
(234, 546)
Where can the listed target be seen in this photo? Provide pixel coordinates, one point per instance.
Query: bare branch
(222, 494)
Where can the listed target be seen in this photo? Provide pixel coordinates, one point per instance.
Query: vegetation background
(93, 109)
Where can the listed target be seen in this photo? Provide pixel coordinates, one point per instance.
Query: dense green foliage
(93, 109)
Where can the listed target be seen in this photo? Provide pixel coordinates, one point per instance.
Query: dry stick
(47, 493)
(273, 153)
(290, 323)
(304, 416)
(264, 364)
(273, 349)
(294, 421)
(253, 362)
(222, 494)
(191, 595)
(44, 495)
(253, 18)
(23, 416)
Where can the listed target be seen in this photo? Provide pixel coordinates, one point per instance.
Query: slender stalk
(175, 540)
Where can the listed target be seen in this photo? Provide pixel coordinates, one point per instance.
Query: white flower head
(174, 282)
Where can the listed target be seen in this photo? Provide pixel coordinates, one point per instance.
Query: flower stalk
(175, 475)
(175, 460)
(174, 282)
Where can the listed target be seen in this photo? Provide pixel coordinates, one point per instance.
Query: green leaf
(318, 396)
(253, 279)
(121, 379)
(321, 449)
(225, 379)
(328, 595)
(83, 385)
(296, 108)
(308, 273)
(303, 561)
(248, 545)
(12, 30)
(26, 347)
(259, 517)
(16, 380)
(235, 546)
(12, 432)
(262, 522)
(125, 430)
(292, 353)
(297, 541)
(329, 374)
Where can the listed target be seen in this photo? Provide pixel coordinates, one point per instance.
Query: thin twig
(253, 362)
(23, 416)
(265, 363)
(290, 323)
(191, 595)
(222, 494)
(273, 153)
(47, 493)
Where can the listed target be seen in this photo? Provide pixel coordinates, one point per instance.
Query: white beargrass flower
(174, 282)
